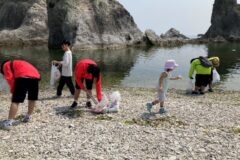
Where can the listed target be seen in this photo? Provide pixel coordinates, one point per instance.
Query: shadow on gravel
(53, 98)
(70, 113)
(155, 120)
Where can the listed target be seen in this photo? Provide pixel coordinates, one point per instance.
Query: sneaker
(26, 119)
(74, 105)
(210, 90)
(149, 107)
(162, 110)
(194, 92)
(6, 125)
(88, 104)
(202, 93)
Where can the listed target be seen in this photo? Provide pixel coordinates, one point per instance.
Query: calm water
(139, 67)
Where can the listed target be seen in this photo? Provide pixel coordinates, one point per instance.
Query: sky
(190, 17)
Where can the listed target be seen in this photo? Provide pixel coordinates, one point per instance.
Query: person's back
(21, 68)
(198, 68)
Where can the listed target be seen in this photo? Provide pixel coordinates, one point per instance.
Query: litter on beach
(108, 104)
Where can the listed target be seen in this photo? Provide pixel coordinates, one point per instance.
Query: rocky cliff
(91, 23)
(23, 22)
(225, 20)
(86, 23)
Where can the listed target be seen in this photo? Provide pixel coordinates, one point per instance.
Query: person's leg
(31, 106)
(210, 87)
(18, 96)
(155, 102)
(197, 84)
(89, 84)
(13, 111)
(162, 99)
(33, 90)
(76, 96)
(61, 85)
(70, 85)
(210, 81)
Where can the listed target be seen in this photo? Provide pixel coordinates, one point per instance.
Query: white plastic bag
(108, 105)
(114, 104)
(55, 75)
(4, 87)
(216, 76)
(190, 86)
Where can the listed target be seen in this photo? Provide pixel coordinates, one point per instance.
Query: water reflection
(138, 67)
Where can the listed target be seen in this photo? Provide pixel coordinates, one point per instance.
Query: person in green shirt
(203, 74)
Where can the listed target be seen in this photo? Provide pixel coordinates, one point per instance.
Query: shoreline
(195, 127)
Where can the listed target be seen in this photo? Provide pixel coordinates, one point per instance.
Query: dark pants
(24, 86)
(68, 81)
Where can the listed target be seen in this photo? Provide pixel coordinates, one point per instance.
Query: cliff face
(225, 20)
(91, 23)
(23, 22)
(86, 23)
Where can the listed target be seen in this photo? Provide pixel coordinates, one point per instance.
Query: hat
(215, 61)
(170, 64)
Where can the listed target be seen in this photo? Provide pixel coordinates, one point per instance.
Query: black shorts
(24, 86)
(88, 82)
(202, 80)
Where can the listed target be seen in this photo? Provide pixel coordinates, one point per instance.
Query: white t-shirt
(67, 64)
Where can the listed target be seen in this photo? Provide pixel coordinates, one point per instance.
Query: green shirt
(198, 68)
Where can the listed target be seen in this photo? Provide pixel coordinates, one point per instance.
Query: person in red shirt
(23, 78)
(88, 71)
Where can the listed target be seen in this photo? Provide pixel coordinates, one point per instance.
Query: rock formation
(171, 38)
(86, 23)
(225, 21)
(91, 23)
(23, 22)
(173, 34)
(151, 37)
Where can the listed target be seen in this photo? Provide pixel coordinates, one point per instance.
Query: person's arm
(99, 88)
(163, 75)
(8, 74)
(175, 78)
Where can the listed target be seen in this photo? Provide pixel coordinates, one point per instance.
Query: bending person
(216, 62)
(23, 78)
(88, 71)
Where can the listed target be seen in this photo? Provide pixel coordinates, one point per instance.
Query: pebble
(194, 128)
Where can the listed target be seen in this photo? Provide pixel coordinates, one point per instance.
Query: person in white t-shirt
(66, 63)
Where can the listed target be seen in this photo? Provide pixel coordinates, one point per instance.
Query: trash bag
(55, 75)
(216, 76)
(190, 86)
(98, 108)
(4, 87)
(114, 104)
(108, 105)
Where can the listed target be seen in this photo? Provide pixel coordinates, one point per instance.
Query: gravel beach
(195, 127)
